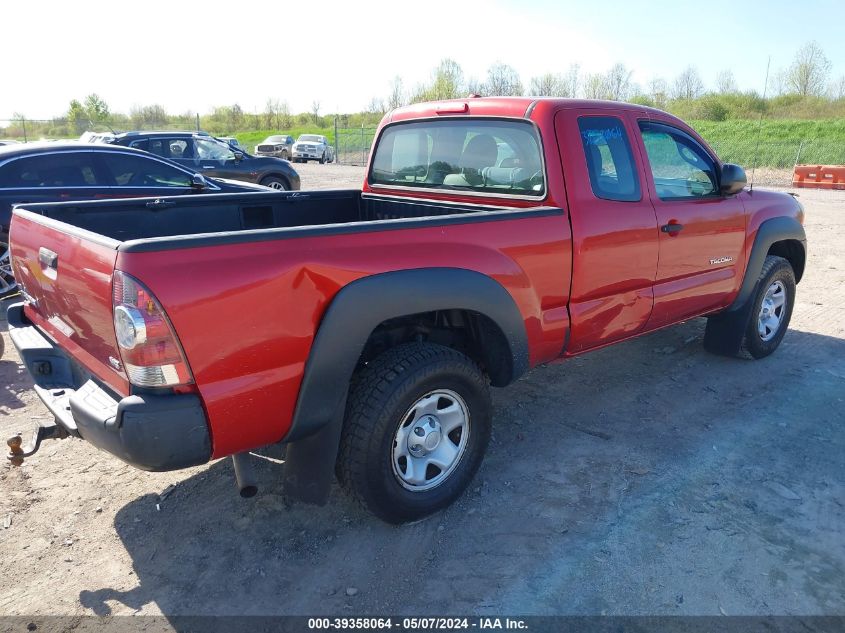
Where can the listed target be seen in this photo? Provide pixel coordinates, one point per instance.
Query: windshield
(310, 138)
(276, 139)
(492, 156)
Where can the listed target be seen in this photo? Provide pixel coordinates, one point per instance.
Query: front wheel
(8, 285)
(772, 308)
(417, 425)
(323, 159)
(275, 182)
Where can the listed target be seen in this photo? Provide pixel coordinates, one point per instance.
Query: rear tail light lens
(149, 349)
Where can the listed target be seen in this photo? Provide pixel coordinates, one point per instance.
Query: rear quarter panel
(246, 314)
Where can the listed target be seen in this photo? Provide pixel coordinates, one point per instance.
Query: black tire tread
(371, 389)
(770, 264)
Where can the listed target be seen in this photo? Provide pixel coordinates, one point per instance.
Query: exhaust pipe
(244, 475)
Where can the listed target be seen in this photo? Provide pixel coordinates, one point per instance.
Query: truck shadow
(14, 380)
(590, 460)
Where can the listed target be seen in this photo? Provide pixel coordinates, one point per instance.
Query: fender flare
(724, 331)
(360, 306)
(357, 309)
(771, 231)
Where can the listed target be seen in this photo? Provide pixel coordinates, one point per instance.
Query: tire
(771, 308)
(8, 285)
(274, 182)
(285, 155)
(323, 159)
(415, 390)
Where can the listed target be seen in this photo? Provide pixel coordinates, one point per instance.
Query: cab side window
(681, 167)
(610, 163)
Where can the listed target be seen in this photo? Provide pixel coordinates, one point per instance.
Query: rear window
(613, 175)
(477, 155)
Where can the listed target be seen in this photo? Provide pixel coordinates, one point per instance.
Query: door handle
(158, 203)
(671, 229)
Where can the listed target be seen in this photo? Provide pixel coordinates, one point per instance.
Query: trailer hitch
(18, 450)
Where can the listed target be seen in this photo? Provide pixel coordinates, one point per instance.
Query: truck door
(702, 232)
(614, 228)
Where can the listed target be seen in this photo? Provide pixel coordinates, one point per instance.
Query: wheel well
(468, 332)
(279, 176)
(793, 252)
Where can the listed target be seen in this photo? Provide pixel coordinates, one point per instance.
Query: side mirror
(199, 182)
(733, 179)
(239, 156)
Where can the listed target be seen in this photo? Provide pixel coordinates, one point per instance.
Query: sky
(191, 56)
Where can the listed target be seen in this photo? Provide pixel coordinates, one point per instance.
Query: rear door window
(610, 163)
(485, 156)
(52, 169)
(172, 148)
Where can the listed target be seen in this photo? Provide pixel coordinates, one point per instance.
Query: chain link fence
(352, 145)
(61, 128)
(774, 159)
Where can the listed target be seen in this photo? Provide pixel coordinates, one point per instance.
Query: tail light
(149, 349)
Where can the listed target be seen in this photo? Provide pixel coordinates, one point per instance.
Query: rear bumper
(148, 431)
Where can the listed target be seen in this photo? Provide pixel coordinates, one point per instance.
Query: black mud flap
(310, 462)
(724, 332)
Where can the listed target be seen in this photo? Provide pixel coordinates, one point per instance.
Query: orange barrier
(819, 176)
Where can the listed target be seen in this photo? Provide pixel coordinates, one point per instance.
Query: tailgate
(65, 274)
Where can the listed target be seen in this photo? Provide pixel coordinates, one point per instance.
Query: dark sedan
(55, 172)
(212, 157)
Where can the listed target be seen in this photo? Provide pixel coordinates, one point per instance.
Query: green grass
(782, 141)
(250, 139)
(819, 141)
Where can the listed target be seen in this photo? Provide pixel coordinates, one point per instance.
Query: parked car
(232, 142)
(312, 147)
(203, 153)
(96, 137)
(280, 145)
(364, 327)
(75, 171)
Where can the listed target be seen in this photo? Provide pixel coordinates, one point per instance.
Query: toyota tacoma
(364, 328)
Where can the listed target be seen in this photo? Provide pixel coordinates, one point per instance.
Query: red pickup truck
(364, 328)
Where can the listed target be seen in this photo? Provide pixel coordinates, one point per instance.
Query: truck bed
(245, 281)
(207, 218)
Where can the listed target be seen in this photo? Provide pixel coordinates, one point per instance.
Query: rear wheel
(8, 285)
(417, 426)
(274, 182)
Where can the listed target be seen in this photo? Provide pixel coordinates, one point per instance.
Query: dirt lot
(647, 478)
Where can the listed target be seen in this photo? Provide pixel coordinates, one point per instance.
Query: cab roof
(521, 107)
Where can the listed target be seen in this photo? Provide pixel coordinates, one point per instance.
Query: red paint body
(246, 314)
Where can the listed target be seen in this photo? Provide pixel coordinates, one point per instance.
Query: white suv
(312, 147)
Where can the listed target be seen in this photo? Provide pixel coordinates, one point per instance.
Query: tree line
(802, 90)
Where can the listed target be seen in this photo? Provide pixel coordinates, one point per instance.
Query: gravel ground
(646, 478)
